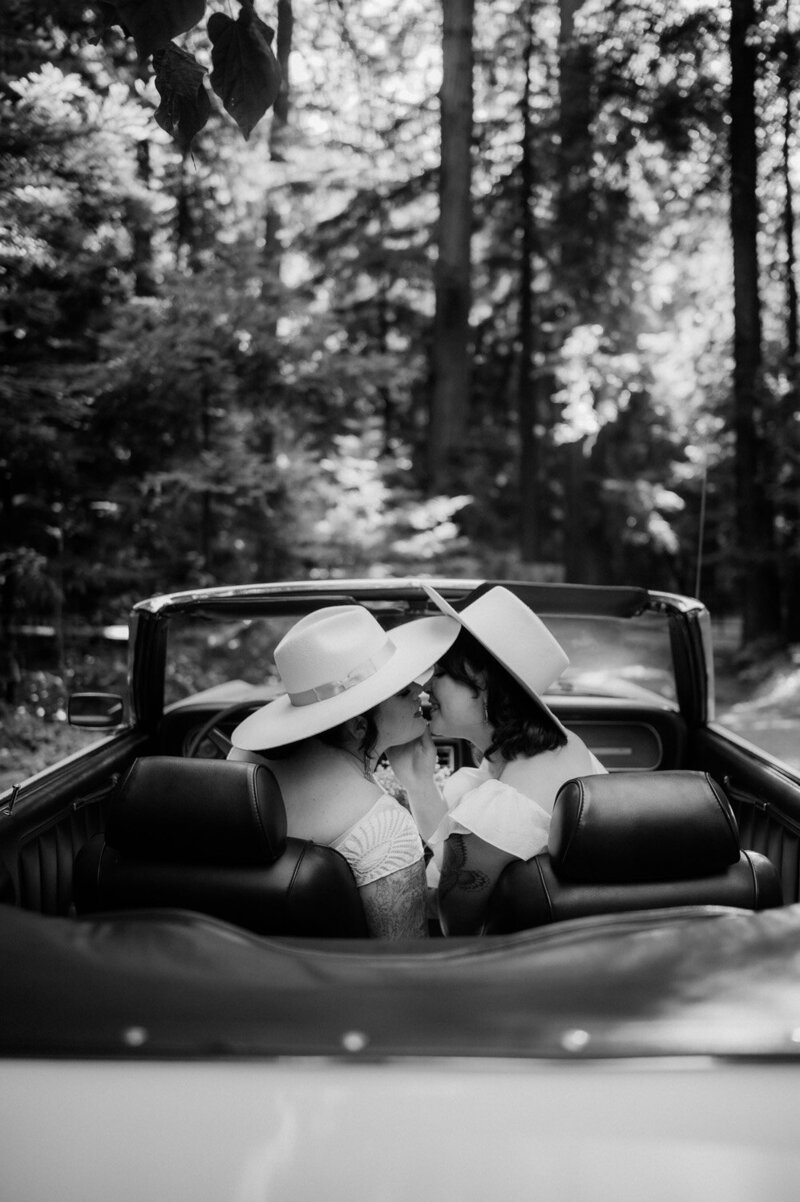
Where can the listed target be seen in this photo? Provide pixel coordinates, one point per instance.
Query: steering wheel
(210, 730)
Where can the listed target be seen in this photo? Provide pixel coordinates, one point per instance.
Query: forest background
(492, 288)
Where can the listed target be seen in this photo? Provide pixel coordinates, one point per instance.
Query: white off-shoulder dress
(512, 813)
(381, 842)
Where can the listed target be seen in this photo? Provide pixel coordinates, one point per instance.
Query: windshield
(623, 658)
(206, 653)
(627, 658)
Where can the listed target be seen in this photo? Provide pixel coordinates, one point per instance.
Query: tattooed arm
(395, 905)
(470, 868)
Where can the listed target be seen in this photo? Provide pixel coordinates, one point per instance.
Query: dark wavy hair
(520, 727)
(336, 737)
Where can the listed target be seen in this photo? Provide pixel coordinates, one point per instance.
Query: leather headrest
(173, 810)
(642, 826)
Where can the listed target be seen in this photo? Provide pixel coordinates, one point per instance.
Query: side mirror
(95, 711)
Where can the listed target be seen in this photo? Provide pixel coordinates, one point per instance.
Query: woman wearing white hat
(352, 691)
(486, 689)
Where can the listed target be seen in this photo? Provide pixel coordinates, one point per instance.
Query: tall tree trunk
(10, 672)
(184, 223)
(206, 510)
(451, 355)
(142, 232)
(790, 507)
(788, 69)
(574, 206)
(266, 550)
(277, 135)
(759, 577)
(576, 237)
(528, 382)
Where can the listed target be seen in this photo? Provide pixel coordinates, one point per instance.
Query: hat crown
(325, 647)
(518, 638)
(336, 663)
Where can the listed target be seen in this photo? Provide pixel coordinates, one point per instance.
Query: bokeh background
(497, 288)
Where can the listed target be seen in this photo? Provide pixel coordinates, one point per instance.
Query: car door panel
(49, 817)
(765, 796)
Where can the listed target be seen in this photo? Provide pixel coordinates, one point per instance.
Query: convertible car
(190, 1007)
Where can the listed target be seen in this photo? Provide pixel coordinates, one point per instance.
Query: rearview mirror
(95, 711)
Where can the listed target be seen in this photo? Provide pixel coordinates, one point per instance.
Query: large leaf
(185, 106)
(246, 75)
(108, 11)
(154, 23)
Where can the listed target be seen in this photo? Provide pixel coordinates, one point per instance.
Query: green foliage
(185, 479)
(217, 366)
(362, 513)
(68, 197)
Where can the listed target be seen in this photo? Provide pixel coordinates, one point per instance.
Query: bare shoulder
(324, 792)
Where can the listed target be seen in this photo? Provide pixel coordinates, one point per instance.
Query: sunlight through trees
(492, 288)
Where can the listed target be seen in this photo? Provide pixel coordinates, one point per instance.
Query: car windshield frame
(636, 630)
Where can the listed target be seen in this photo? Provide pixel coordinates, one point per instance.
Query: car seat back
(634, 841)
(210, 835)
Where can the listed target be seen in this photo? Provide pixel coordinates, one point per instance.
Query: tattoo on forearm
(396, 905)
(454, 873)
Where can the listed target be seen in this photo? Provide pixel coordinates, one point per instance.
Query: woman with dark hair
(352, 691)
(485, 689)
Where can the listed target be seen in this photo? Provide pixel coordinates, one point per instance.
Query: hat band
(332, 688)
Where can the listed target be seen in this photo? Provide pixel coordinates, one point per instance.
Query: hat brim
(418, 645)
(464, 618)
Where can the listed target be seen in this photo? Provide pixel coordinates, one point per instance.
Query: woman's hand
(413, 763)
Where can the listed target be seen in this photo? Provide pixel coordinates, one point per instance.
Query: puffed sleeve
(495, 812)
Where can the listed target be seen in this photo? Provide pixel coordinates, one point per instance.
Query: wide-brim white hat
(336, 663)
(515, 636)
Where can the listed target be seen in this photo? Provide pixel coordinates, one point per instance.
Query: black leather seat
(634, 841)
(210, 835)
